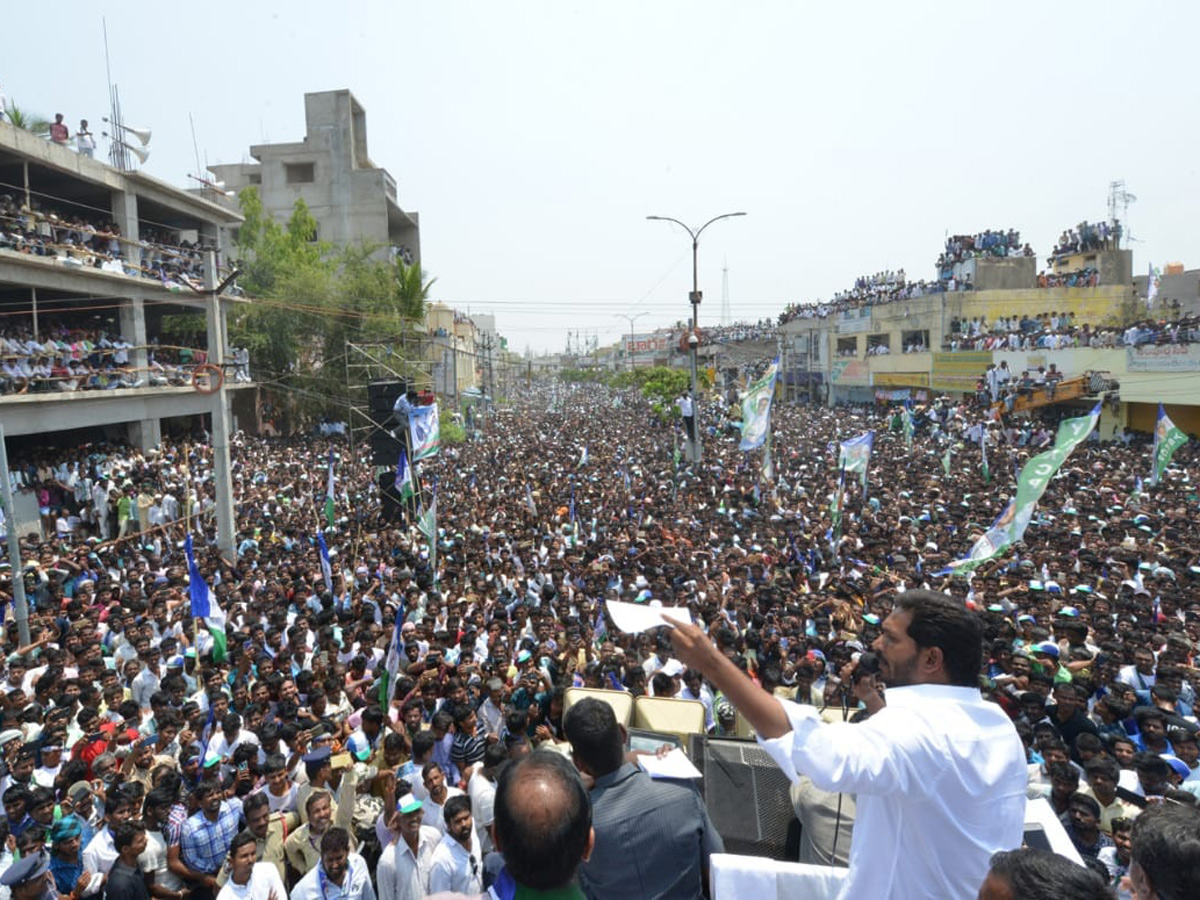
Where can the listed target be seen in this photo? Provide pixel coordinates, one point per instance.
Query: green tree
(28, 121)
(310, 299)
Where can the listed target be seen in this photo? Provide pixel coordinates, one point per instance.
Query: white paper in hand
(674, 765)
(634, 617)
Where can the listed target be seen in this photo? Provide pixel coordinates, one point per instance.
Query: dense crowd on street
(265, 761)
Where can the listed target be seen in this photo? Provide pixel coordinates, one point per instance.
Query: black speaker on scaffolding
(381, 398)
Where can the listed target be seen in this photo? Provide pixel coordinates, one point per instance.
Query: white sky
(534, 137)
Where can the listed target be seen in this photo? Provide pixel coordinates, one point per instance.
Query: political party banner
(855, 455)
(1167, 439)
(1032, 482)
(756, 409)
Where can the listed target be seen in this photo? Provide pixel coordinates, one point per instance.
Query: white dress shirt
(264, 884)
(403, 875)
(939, 777)
(356, 885)
(452, 869)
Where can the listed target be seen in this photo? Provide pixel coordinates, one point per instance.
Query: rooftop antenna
(1119, 199)
(726, 315)
(195, 146)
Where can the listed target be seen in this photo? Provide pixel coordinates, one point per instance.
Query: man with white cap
(403, 872)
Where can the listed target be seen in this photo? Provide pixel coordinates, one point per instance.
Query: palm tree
(28, 121)
(412, 290)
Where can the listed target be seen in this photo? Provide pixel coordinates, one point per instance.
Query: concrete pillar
(146, 434)
(132, 318)
(220, 414)
(125, 214)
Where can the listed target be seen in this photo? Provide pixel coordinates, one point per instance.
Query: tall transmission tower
(726, 314)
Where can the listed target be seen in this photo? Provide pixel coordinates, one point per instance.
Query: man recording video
(939, 774)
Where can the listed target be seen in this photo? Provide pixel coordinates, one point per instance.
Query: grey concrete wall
(1012, 273)
(38, 413)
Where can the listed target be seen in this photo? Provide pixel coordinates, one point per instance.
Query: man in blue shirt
(206, 836)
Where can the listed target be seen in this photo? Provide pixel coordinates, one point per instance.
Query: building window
(879, 344)
(847, 346)
(915, 341)
(299, 173)
(254, 178)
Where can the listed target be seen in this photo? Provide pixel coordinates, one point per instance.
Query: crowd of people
(75, 238)
(762, 330)
(65, 357)
(1088, 237)
(868, 291)
(1085, 277)
(263, 752)
(1054, 331)
(988, 243)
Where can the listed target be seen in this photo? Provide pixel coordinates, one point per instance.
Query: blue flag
(326, 568)
(204, 603)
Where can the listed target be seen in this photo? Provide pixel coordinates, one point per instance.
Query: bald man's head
(543, 820)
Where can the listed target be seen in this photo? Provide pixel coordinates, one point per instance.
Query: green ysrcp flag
(946, 461)
(1167, 439)
(906, 423)
(1031, 484)
(404, 479)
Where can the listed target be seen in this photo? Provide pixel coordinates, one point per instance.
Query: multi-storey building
(108, 292)
(858, 352)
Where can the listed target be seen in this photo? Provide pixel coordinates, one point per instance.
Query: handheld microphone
(868, 664)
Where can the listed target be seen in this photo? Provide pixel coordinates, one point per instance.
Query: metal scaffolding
(405, 357)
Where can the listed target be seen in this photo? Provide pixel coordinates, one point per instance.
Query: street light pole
(694, 447)
(631, 319)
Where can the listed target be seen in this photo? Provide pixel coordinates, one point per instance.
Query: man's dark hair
(1102, 765)
(454, 806)
(206, 787)
(1042, 875)
(124, 833)
(1086, 800)
(1166, 846)
(241, 839)
(335, 839)
(938, 621)
(254, 801)
(423, 742)
(543, 842)
(591, 727)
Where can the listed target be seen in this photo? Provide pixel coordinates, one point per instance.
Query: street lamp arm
(700, 230)
(693, 234)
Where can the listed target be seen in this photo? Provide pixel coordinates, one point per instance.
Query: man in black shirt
(126, 881)
(1068, 714)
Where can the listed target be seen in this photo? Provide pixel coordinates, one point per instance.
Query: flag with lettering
(1167, 439)
(1031, 484)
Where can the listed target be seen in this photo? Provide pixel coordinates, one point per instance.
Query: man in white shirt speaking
(939, 774)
